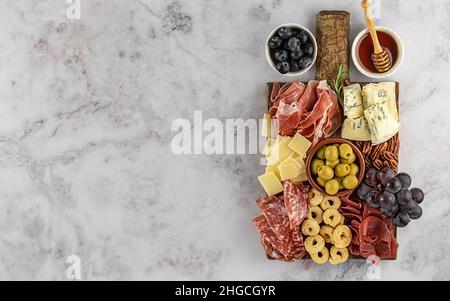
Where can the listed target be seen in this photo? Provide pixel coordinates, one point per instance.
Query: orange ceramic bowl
(311, 154)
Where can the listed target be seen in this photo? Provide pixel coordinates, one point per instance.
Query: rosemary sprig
(338, 83)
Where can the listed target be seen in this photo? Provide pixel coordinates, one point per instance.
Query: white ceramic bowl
(364, 70)
(295, 26)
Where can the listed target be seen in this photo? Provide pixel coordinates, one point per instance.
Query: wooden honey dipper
(380, 57)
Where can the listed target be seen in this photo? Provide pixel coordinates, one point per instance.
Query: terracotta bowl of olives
(335, 167)
(291, 49)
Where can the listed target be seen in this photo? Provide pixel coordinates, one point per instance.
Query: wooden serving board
(397, 97)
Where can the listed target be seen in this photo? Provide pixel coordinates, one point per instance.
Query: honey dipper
(380, 57)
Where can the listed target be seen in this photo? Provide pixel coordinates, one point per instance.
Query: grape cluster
(389, 192)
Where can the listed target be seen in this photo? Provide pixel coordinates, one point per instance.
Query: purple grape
(370, 177)
(409, 206)
(417, 195)
(403, 196)
(384, 175)
(401, 219)
(371, 199)
(405, 179)
(393, 185)
(389, 211)
(362, 191)
(386, 199)
(417, 213)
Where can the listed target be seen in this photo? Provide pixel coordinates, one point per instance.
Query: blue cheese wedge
(352, 103)
(380, 93)
(382, 124)
(356, 129)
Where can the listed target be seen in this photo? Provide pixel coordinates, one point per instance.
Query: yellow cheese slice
(288, 171)
(266, 126)
(300, 178)
(273, 168)
(270, 183)
(279, 152)
(299, 144)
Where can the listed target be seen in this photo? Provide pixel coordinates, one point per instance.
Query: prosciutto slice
(312, 110)
(373, 232)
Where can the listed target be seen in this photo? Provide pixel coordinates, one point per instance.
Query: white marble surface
(86, 108)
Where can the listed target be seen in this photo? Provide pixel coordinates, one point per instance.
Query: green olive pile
(335, 168)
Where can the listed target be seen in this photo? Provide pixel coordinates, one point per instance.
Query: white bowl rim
(295, 25)
(397, 64)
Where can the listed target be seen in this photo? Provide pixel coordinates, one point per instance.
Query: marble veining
(86, 107)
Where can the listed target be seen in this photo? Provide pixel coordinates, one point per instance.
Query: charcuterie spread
(333, 191)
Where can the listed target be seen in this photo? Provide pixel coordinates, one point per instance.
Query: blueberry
(285, 33)
(294, 66)
(297, 54)
(286, 44)
(281, 55)
(308, 49)
(275, 42)
(283, 67)
(293, 43)
(304, 62)
(303, 36)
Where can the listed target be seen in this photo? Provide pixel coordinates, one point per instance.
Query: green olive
(332, 187)
(337, 145)
(341, 186)
(350, 182)
(342, 170)
(350, 159)
(315, 165)
(354, 169)
(321, 153)
(331, 153)
(325, 172)
(332, 164)
(320, 181)
(345, 151)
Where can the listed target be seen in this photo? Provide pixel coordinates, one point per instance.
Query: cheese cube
(382, 124)
(268, 146)
(266, 125)
(355, 129)
(352, 103)
(288, 171)
(297, 162)
(270, 183)
(273, 168)
(299, 144)
(279, 152)
(300, 178)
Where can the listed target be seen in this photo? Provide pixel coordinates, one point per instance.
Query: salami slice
(274, 211)
(296, 202)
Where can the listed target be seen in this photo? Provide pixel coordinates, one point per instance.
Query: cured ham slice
(373, 232)
(311, 110)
